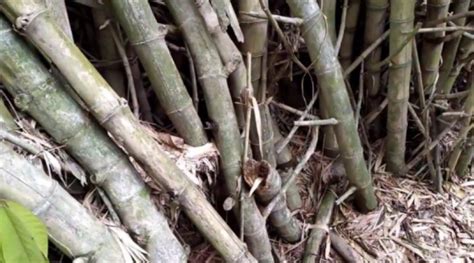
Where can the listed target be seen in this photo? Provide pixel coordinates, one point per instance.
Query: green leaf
(23, 237)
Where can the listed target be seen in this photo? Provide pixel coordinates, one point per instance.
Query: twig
(346, 195)
(330, 121)
(284, 19)
(342, 28)
(444, 29)
(449, 18)
(293, 110)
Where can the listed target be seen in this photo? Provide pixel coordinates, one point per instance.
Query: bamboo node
(45, 203)
(122, 104)
(158, 36)
(22, 22)
(310, 20)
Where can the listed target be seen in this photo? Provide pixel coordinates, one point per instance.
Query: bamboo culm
(148, 39)
(401, 25)
(32, 20)
(43, 97)
(221, 112)
(331, 80)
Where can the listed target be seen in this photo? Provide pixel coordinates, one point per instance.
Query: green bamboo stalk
(148, 38)
(376, 15)
(401, 25)
(347, 44)
(59, 13)
(331, 80)
(450, 48)
(113, 74)
(285, 162)
(41, 95)
(280, 217)
(321, 227)
(220, 108)
(329, 141)
(70, 227)
(466, 157)
(461, 154)
(375, 19)
(465, 49)
(231, 57)
(329, 10)
(34, 21)
(432, 46)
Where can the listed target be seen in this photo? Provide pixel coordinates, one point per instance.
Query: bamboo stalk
(33, 20)
(347, 44)
(376, 15)
(6, 119)
(331, 80)
(463, 56)
(459, 157)
(148, 39)
(209, 70)
(432, 47)
(43, 97)
(270, 186)
(59, 13)
(70, 227)
(450, 48)
(320, 227)
(329, 10)
(108, 51)
(401, 24)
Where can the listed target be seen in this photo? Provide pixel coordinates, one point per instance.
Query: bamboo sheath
(32, 19)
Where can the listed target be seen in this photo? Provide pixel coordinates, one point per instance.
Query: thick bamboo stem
(450, 48)
(401, 25)
(270, 186)
(59, 13)
(148, 39)
(331, 80)
(33, 20)
(218, 100)
(320, 227)
(432, 47)
(113, 73)
(43, 97)
(70, 227)
(6, 119)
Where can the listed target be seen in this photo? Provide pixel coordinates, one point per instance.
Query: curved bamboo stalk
(30, 18)
(42, 96)
(148, 39)
(401, 25)
(330, 77)
(321, 227)
(432, 46)
(450, 48)
(347, 44)
(108, 51)
(70, 227)
(226, 131)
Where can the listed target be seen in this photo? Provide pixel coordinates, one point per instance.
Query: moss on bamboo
(31, 19)
(148, 39)
(401, 25)
(331, 80)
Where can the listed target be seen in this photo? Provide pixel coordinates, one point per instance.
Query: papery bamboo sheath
(114, 115)
(401, 25)
(42, 96)
(331, 80)
(221, 112)
(148, 39)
